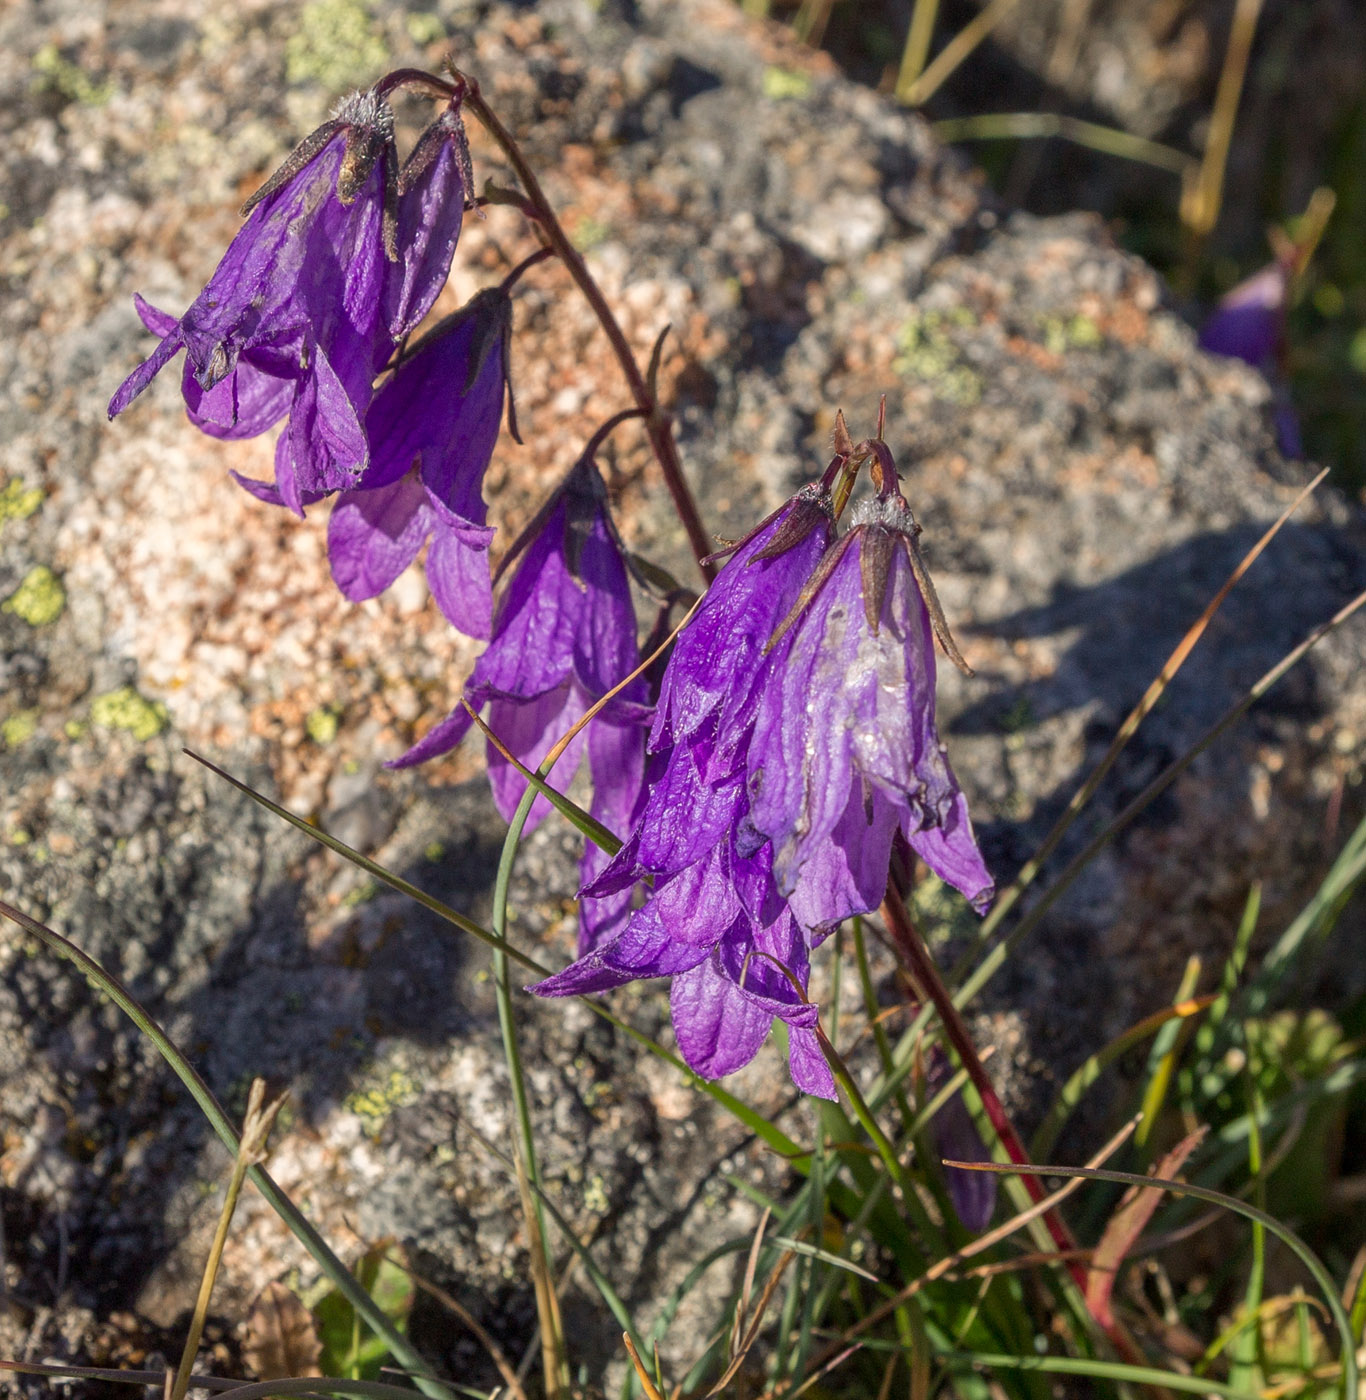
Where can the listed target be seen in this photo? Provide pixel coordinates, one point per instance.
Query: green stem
(556, 1365)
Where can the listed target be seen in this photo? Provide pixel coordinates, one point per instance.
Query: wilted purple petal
(430, 212)
(643, 949)
(809, 1068)
(440, 738)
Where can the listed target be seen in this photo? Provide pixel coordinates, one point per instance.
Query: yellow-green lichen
(927, 352)
(785, 84)
(424, 29)
(39, 599)
(126, 709)
(374, 1103)
(74, 729)
(53, 73)
(1064, 333)
(589, 233)
(19, 728)
(322, 724)
(17, 501)
(336, 45)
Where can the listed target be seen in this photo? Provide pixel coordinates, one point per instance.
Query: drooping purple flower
(564, 634)
(1249, 325)
(844, 750)
(709, 692)
(432, 429)
(339, 255)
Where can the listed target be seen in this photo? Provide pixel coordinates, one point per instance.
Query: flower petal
(372, 536)
(718, 1028)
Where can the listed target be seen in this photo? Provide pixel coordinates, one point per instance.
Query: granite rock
(1086, 478)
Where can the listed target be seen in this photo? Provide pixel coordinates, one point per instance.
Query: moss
(785, 84)
(322, 724)
(336, 45)
(126, 709)
(53, 73)
(19, 728)
(17, 501)
(39, 599)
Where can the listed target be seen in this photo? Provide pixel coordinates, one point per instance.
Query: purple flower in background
(564, 634)
(339, 254)
(845, 750)
(956, 1138)
(1249, 325)
(432, 429)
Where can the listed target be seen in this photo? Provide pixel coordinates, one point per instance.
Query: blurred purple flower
(564, 634)
(845, 749)
(432, 429)
(1249, 325)
(339, 254)
(956, 1138)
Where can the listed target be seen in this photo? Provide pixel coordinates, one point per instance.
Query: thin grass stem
(1109, 140)
(919, 91)
(336, 1272)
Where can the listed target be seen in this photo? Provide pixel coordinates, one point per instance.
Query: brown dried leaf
(282, 1339)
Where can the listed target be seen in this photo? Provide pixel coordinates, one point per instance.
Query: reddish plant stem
(926, 975)
(657, 423)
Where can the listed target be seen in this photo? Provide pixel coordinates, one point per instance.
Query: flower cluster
(790, 754)
(794, 740)
(342, 255)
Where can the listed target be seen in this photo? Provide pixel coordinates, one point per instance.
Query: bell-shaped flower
(432, 429)
(844, 749)
(564, 634)
(339, 255)
(708, 694)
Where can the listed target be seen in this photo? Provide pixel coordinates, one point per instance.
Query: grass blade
(337, 1273)
(1284, 1233)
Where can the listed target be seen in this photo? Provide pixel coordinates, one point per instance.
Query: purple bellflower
(793, 740)
(564, 634)
(432, 429)
(714, 920)
(340, 253)
(1249, 325)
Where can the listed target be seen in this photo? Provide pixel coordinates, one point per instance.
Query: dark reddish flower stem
(926, 976)
(657, 423)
